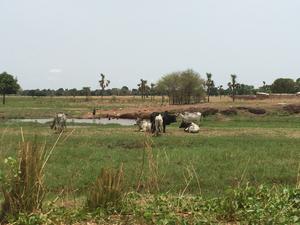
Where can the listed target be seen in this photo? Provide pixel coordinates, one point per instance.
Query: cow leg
(164, 128)
(153, 127)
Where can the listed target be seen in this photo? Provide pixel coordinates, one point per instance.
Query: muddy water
(123, 122)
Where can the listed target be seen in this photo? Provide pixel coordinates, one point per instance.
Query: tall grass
(107, 191)
(153, 178)
(23, 188)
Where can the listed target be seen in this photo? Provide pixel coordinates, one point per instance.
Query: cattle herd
(157, 124)
(159, 121)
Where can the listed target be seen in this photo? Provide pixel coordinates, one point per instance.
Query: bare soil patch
(224, 105)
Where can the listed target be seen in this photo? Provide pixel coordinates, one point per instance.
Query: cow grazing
(191, 117)
(189, 127)
(167, 120)
(59, 122)
(143, 125)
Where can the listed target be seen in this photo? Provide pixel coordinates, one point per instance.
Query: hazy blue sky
(67, 43)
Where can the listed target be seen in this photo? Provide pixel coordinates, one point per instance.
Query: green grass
(223, 155)
(43, 107)
(243, 205)
(193, 171)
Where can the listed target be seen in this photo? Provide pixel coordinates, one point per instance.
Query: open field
(79, 107)
(258, 150)
(229, 151)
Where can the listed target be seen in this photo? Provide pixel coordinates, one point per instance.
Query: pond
(123, 122)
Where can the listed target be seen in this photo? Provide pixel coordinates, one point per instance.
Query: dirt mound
(128, 116)
(292, 108)
(192, 109)
(144, 115)
(242, 108)
(229, 112)
(257, 111)
(209, 111)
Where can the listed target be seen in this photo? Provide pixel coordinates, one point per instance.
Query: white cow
(190, 127)
(59, 122)
(144, 125)
(193, 128)
(191, 117)
(158, 121)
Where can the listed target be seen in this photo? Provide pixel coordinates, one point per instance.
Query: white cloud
(55, 70)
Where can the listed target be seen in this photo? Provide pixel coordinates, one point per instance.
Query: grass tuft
(22, 187)
(107, 191)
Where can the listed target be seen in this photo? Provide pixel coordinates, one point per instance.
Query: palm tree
(233, 85)
(209, 84)
(152, 91)
(103, 84)
(220, 89)
(142, 87)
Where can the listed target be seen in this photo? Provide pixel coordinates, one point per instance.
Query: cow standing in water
(166, 117)
(59, 122)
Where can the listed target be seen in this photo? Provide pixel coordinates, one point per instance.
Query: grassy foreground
(222, 155)
(176, 178)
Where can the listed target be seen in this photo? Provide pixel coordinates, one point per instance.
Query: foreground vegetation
(239, 169)
(245, 205)
(176, 178)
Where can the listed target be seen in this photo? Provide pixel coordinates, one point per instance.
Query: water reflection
(123, 122)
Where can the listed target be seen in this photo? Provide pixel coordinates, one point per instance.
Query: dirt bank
(206, 109)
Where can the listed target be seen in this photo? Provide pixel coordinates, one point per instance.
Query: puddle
(123, 122)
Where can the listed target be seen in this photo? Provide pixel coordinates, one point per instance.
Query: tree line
(182, 87)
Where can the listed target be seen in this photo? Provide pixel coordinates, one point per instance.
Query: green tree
(73, 92)
(209, 85)
(60, 92)
(124, 91)
(87, 92)
(8, 85)
(244, 89)
(183, 87)
(283, 85)
(298, 85)
(233, 85)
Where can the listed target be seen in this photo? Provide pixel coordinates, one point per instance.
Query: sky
(68, 43)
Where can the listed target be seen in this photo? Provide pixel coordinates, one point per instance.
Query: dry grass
(23, 188)
(107, 191)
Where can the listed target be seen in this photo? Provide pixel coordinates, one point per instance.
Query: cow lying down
(143, 125)
(189, 127)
